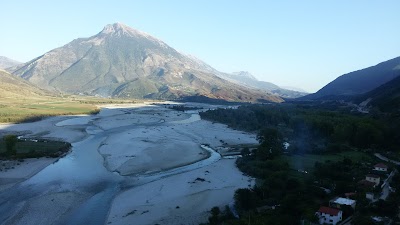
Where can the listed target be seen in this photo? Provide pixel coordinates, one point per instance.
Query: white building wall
(328, 219)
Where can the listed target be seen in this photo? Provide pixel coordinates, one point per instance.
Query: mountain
(123, 62)
(386, 97)
(294, 89)
(14, 87)
(247, 79)
(359, 82)
(6, 62)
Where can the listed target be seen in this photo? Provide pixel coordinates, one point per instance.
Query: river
(80, 188)
(83, 171)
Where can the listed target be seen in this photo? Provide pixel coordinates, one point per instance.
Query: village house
(373, 178)
(339, 202)
(381, 167)
(328, 215)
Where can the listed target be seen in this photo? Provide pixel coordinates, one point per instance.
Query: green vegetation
(279, 197)
(307, 162)
(310, 129)
(11, 147)
(9, 142)
(329, 153)
(183, 108)
(21, 101)
(29, 110)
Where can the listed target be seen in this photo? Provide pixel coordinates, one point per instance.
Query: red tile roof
(381, 165)
(349, 194)
(328, 210)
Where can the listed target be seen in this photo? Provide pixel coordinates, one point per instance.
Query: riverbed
(130, 164)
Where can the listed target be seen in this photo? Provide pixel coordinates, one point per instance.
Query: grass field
(307, 161)
(27, 110)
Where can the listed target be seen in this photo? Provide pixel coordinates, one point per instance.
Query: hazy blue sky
(304, 43)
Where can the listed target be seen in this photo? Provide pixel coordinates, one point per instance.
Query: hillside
(359, 82)
(126, 63)
(6, 62)
(386, 97)
(21, 101)
(14, 87)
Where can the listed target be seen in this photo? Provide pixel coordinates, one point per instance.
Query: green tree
(214, 218)
(10, 141)
(270, 143)
(245, 199)
(245, 151)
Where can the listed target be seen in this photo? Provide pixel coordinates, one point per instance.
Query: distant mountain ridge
(123, 62)
(247, 79)
(359, 82)
(7, 62)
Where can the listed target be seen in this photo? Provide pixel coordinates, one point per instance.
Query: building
(373, 178)
(339, 202)
(370, 196)
(366, 185)
(381, 167)
(328, 215)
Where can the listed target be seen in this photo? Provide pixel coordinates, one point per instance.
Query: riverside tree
(10, 141)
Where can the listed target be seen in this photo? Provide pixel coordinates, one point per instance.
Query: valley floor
(130, 164)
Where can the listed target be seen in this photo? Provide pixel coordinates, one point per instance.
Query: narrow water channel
(82, 171)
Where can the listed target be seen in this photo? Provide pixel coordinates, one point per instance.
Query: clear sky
(296, 43)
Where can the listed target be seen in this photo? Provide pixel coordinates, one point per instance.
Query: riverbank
(15, 171)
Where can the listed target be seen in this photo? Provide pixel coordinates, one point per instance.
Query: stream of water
(82, 171)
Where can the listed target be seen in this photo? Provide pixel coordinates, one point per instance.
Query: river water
(82, 171)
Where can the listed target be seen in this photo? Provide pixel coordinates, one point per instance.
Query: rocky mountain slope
(124, 62)
(359, 82)
(6, 62)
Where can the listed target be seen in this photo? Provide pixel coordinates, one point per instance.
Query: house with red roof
(328, 215)
(381, 167)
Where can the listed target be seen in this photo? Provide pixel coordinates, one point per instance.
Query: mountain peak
(245, 74)
(122, 30)
(118, 28)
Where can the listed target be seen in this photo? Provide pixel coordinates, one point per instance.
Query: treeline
(13, 148)
(279, 197)
(309, 129)
(184, 108)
